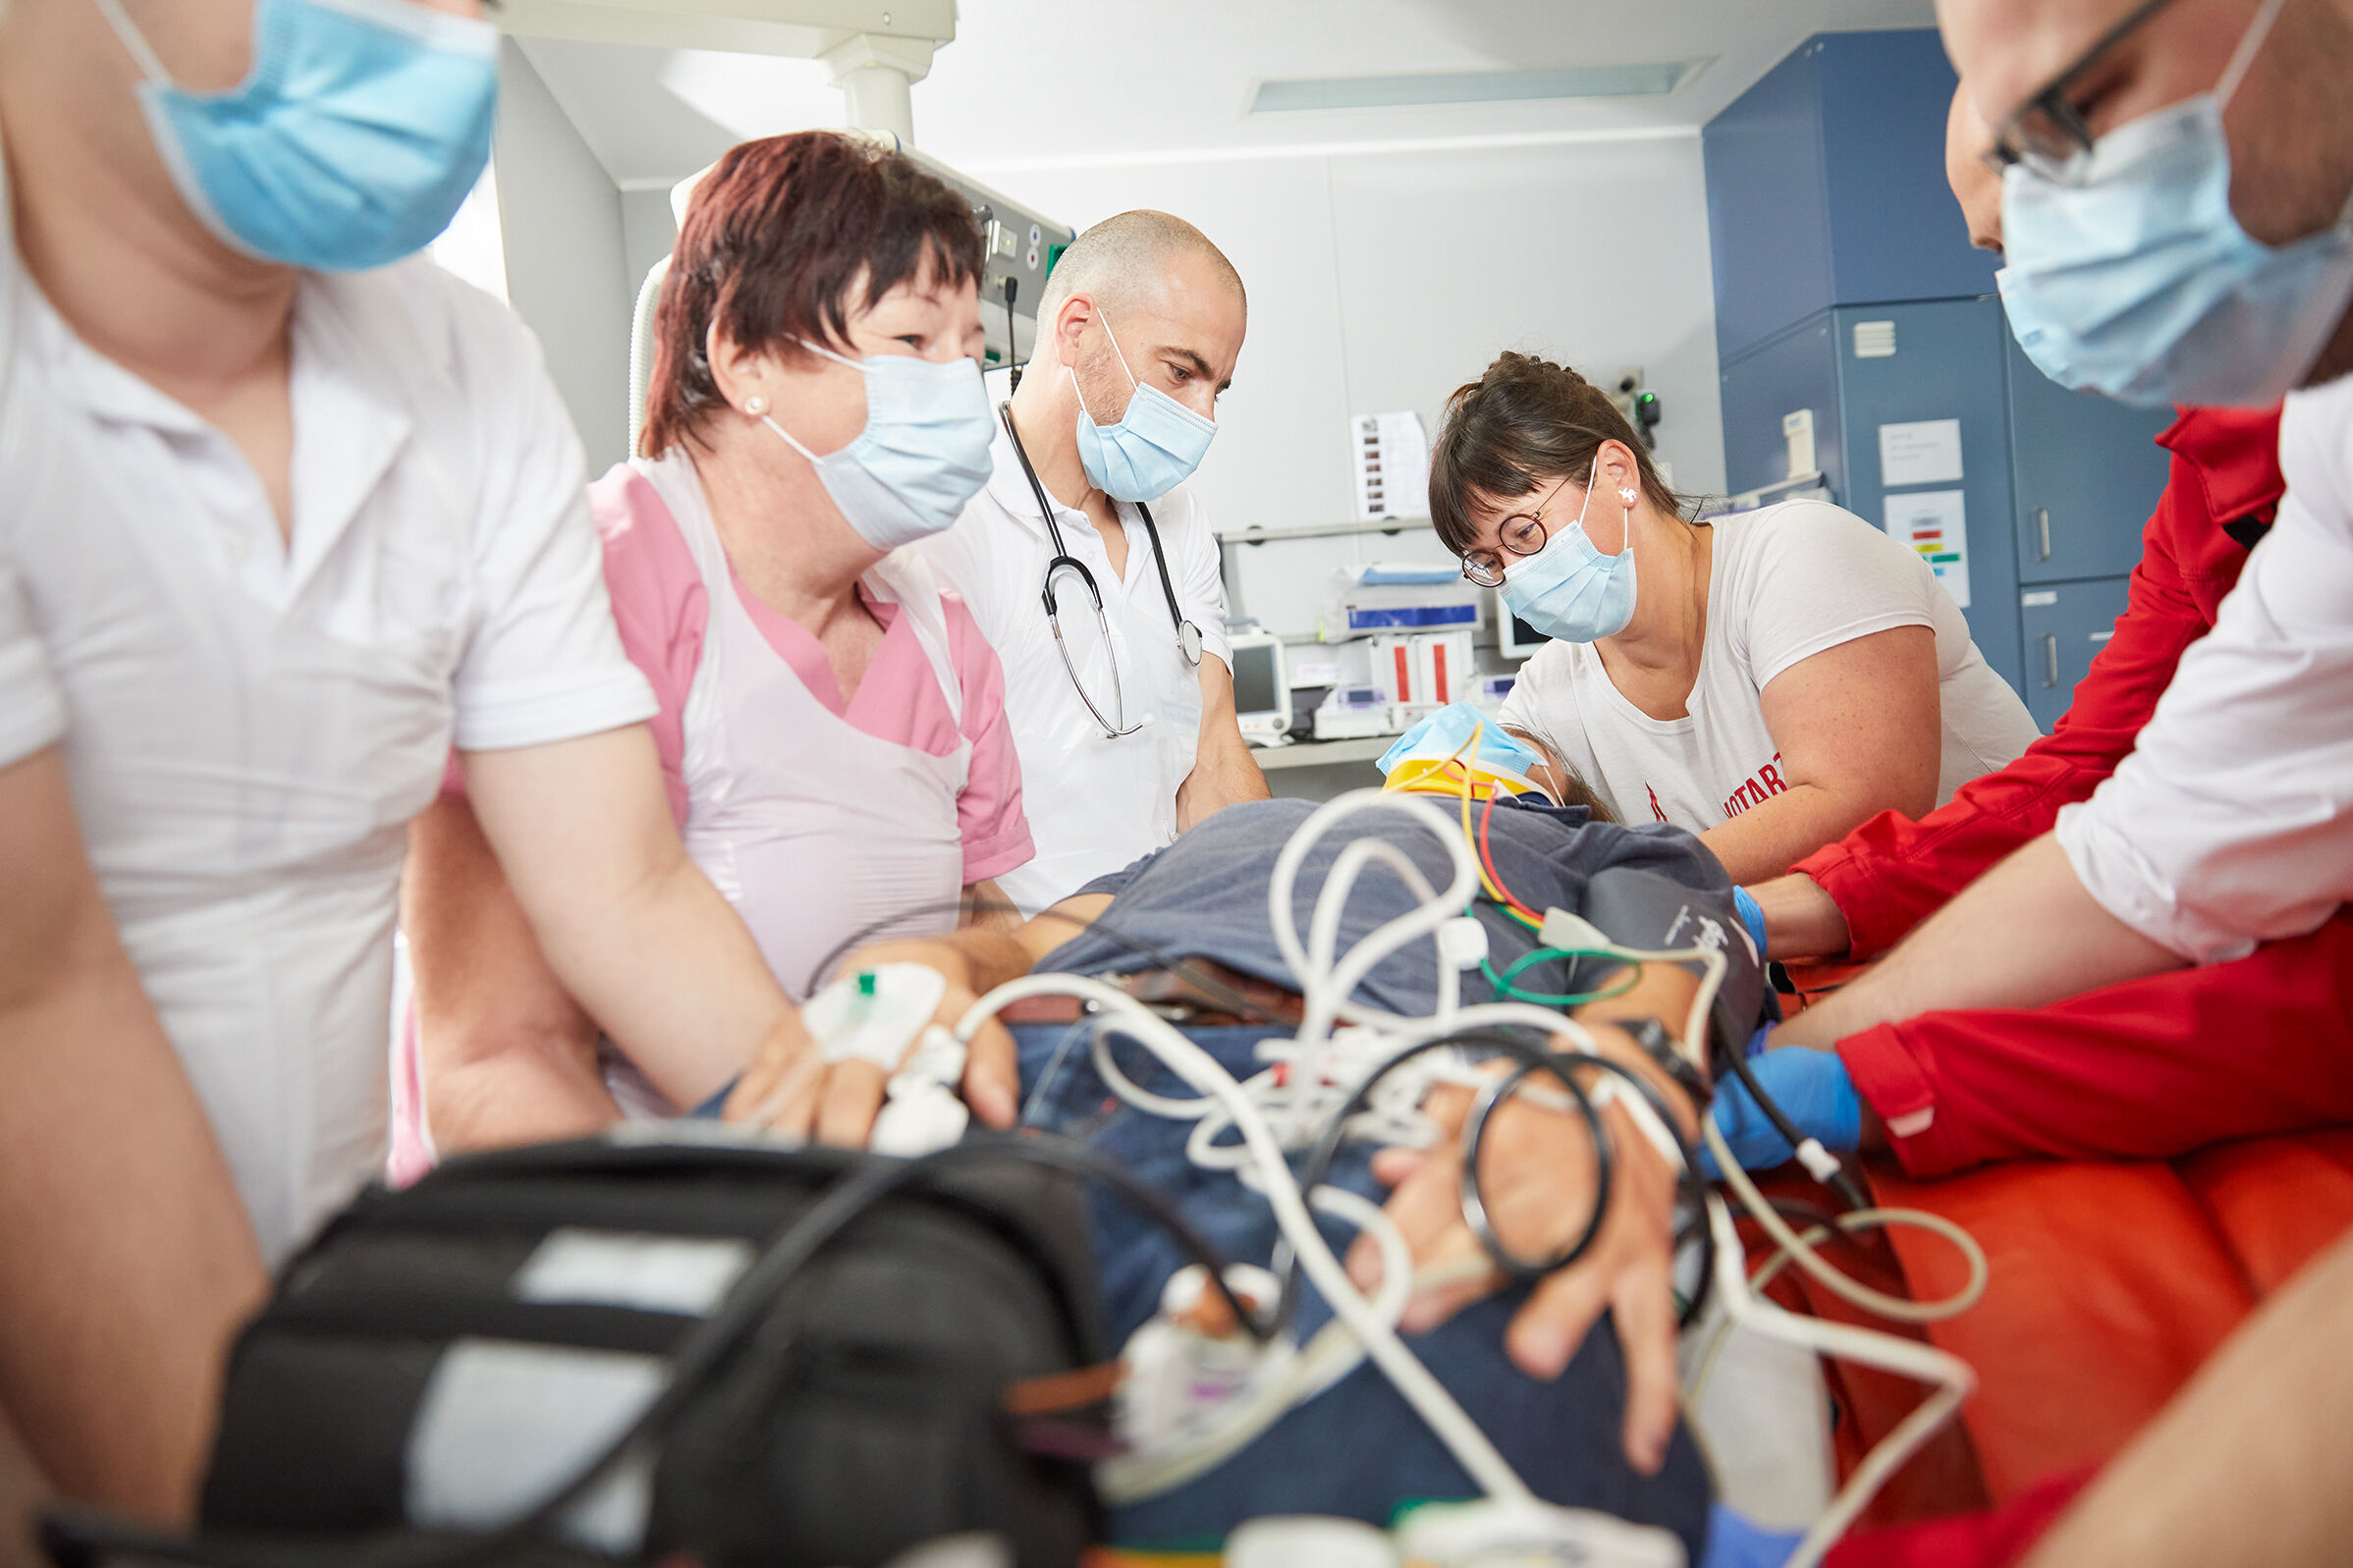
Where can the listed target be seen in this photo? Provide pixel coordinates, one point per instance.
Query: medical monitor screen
(1515, 638)
(1254, 679)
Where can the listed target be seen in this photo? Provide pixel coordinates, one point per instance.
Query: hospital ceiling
(1031, 84)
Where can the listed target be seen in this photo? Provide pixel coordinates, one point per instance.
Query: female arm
(1859, 730)
(509, 1057)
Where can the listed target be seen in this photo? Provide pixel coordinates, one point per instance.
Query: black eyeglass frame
(2012, 139)
(1473, 566)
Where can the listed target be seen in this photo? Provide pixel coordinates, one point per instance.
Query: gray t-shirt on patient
(1205, 896)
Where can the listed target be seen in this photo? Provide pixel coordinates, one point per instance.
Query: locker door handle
(2050, 662)
(2043, 531)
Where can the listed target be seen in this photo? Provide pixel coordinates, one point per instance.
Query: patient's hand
(791, 1088)
(1538, 1173)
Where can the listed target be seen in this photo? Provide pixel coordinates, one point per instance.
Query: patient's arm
(1537, 1179)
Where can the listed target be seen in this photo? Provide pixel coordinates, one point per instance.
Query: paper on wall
(1393, 465)
(1935, 524)
(1924, 452)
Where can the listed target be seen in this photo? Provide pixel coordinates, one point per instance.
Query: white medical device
(1261, 687)
(1354, 712)
(1515, 638)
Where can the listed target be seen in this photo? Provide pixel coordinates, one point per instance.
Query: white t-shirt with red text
(1786, 582)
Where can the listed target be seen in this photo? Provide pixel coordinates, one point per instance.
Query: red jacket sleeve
(2146, 1069)
(1892, 871)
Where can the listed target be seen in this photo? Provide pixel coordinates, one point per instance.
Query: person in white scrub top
(1768, 681)
(833, 730)
(1122, 701)
(287, 515)
(2232, 823)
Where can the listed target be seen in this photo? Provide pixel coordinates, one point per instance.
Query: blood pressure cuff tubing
(1637, 908)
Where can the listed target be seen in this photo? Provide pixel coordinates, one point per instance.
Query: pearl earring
(755, 405)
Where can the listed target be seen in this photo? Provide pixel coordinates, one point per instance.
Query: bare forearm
(516, 1096)
(1216, 784)
(130, 1257)
(1766, 840)
(628, 924)
(2248, 1463)
(2025, 934)
(1801, 920)
(672, 976)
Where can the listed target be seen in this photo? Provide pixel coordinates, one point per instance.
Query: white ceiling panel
(1033, 84)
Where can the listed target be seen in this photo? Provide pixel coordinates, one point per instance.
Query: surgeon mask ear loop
(134, 43)
(1134, 386)
(815, 349)
(2242, 59)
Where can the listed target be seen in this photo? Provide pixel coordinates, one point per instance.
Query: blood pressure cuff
(446, 1357)
(1642, 909)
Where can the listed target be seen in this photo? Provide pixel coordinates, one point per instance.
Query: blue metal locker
(1827, 209)
(2089, 475)
(2065, 626)
(1942, 361)
(1797, 368)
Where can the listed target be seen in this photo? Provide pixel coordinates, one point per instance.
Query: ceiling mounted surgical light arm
(874, 72)
(875, 49)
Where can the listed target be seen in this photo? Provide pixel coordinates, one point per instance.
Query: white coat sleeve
(2231, 823)
(545, 662)
(32, 712)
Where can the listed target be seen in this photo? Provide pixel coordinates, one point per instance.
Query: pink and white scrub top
(821, 820)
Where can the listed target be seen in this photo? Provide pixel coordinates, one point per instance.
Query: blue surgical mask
(352, 142)
(1571, 590)
(923, 454)
(1446, 734)
(2135, 280)
(1153, 448)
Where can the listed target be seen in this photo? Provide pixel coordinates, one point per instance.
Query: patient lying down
(1585, 1410)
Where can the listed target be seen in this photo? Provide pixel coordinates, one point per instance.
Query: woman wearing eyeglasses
(1768, 681)
(831, 726)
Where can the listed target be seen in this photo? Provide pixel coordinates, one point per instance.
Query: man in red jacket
(2131, 1069)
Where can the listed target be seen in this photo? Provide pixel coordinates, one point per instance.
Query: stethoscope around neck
(1188, 635)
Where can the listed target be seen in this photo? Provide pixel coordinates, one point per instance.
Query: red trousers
(1990, 1540)
(2146, 1069)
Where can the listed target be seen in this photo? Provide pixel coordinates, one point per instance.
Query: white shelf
(1321, 753)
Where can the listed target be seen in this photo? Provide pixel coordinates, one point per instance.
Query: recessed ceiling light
(1638, 80)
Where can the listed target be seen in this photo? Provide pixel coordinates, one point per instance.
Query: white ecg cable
(1316, 1071)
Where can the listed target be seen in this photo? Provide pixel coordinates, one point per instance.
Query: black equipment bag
(442, 1358)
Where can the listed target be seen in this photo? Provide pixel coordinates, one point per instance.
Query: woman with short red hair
(832, 731)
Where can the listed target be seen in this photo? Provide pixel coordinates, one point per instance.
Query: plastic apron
(816, 832)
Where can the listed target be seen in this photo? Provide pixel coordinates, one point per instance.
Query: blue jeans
(1358, 1449)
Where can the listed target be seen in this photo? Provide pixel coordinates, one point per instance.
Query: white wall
(560, 219)
(1383, 280)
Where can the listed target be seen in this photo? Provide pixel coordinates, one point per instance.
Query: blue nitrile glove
(1734, 1543)
(1812, 1089)
(1752, 915)
(714, 1107)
